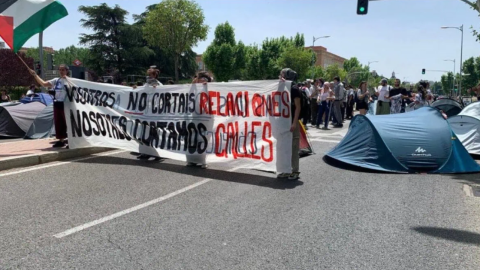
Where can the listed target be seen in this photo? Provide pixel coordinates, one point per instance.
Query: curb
(41, 158)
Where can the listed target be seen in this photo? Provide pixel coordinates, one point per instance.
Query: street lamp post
(453, 83)
(313, 45)
(461, 56)
(368, 75)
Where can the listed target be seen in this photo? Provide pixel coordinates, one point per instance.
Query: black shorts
(362, 106)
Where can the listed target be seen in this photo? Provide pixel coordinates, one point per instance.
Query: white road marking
(60, 163)
(132, 209)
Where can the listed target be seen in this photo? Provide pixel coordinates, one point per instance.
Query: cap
(30, 92)
(384, 80)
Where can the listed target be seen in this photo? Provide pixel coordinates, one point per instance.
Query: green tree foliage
(475, 5)
(240, 60)
(163, 60)
(296, 58)
(334, 70)
(34, 53)
(175, 26)
(351, 64)
(447, 82)
(220, 55)
(69, 54)
(115, 46)
(470, 68)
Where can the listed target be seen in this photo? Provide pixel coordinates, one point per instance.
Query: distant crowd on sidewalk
(334, 102)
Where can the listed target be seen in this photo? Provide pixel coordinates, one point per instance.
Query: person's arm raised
(39, 80)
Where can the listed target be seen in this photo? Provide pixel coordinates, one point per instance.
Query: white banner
(244, 124)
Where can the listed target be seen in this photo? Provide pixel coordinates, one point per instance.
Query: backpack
(304, 101)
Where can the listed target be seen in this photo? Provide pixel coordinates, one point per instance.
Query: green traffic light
(362, 9)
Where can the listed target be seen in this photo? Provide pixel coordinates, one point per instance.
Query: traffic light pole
(40, 48)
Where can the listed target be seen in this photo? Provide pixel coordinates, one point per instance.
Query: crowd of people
(336, 101)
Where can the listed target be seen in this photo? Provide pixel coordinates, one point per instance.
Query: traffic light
(362, 7)
(50, 62)
(38, 68)
(423, 71)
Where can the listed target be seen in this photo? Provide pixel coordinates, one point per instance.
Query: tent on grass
(449, 106)
(16, 120)
(466, 126)
(420, 141)
(42, 126)
(305, 145)
(39, 97)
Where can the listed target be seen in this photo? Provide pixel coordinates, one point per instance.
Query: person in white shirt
(325, 97)
(429, 99)
(57, 86)
(383, 103)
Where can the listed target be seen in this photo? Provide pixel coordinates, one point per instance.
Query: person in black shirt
(396, 96)
(295, 99)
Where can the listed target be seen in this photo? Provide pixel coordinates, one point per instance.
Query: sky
(403, 35)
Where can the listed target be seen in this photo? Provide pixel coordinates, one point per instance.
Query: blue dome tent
(39, 97)
(420, 141)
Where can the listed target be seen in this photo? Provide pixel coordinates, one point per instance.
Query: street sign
(77, 63)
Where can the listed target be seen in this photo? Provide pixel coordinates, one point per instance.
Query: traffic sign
(77, 63)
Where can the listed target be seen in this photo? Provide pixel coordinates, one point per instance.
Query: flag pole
(40, 47)
(22, 60)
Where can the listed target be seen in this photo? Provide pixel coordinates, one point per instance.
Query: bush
(15, 92)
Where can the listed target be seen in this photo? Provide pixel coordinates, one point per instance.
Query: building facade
(200, 64)
(325, 58)
(48, 50)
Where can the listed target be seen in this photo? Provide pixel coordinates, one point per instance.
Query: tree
(220, 55)
(69, 54)
(34, 53)
(447, 82)
(115, 46)
(475, 5)
(106, 24)
(351, 64)
(297, 59)
(163, 60)
(175, 26)
(240, 61)
(334, 70)
(472, 78)
(13, 72)
(253, 70)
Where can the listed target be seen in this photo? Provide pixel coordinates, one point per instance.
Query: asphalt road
(214, 219)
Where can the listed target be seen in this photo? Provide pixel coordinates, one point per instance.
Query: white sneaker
(283, 175)
(204, 166)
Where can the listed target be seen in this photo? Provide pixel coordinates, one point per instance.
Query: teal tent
(419, 141)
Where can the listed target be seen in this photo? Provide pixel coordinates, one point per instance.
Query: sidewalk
(24, 153)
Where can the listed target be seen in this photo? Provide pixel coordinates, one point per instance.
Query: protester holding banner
(295, 99)
(152, 81)
(57, 86)
(194, 160)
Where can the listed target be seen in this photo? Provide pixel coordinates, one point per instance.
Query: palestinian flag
(21, 19)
